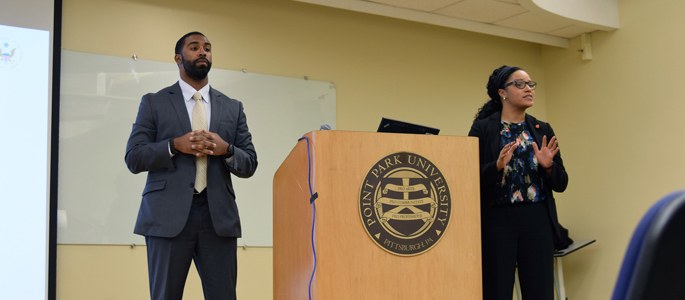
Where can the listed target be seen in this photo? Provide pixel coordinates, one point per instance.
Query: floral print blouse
(521, 181)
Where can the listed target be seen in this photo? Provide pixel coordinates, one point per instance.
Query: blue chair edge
(625, 275)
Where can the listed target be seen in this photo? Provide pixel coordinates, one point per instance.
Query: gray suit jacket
(168, 191)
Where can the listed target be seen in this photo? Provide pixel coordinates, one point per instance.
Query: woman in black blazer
(520, 166)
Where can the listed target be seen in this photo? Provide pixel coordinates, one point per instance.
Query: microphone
(325, 127)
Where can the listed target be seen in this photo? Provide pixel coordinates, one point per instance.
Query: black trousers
(215, 258)
(520, 235)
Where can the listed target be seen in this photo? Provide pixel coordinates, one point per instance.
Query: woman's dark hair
(495, 82)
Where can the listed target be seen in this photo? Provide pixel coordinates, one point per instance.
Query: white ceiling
(550, 22)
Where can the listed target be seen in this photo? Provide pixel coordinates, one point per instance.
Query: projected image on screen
(24, 102)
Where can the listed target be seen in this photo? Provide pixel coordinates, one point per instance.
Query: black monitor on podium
(396, 126)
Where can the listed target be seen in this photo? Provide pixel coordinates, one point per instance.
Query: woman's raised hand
(505, 155)
(546, 153)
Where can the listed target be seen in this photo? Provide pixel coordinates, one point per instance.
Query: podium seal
(405, 204)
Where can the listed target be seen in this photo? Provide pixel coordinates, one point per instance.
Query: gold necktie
(200, 122)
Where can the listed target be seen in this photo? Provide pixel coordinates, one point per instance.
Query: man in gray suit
(190, 137)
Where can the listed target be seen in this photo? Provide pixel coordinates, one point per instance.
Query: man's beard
(194, 71)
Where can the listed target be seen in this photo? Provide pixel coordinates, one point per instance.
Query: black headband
(503, 75)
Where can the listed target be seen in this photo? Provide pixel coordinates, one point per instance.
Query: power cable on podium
(313, 197)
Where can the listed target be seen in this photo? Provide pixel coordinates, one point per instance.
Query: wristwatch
(230, 151)
(172, 148)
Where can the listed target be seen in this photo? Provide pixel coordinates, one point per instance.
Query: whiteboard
(98, 198)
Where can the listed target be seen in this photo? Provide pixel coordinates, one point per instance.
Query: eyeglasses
(519, 83)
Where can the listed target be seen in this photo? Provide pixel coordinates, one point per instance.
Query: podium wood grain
(349, 264)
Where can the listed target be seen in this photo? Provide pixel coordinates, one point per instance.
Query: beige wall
(120, 272)
(613, 115)
(618, 118)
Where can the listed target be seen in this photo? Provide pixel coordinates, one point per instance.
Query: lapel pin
(537, 125)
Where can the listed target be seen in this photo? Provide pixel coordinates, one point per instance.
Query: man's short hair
(182, 40)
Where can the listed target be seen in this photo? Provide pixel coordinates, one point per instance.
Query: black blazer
(488, 132)
(170, 182)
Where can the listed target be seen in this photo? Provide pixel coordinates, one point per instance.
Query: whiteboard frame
(99, 198)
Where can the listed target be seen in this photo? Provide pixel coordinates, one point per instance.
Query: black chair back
(654, 265)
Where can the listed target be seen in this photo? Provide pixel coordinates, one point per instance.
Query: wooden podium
(351, 264)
